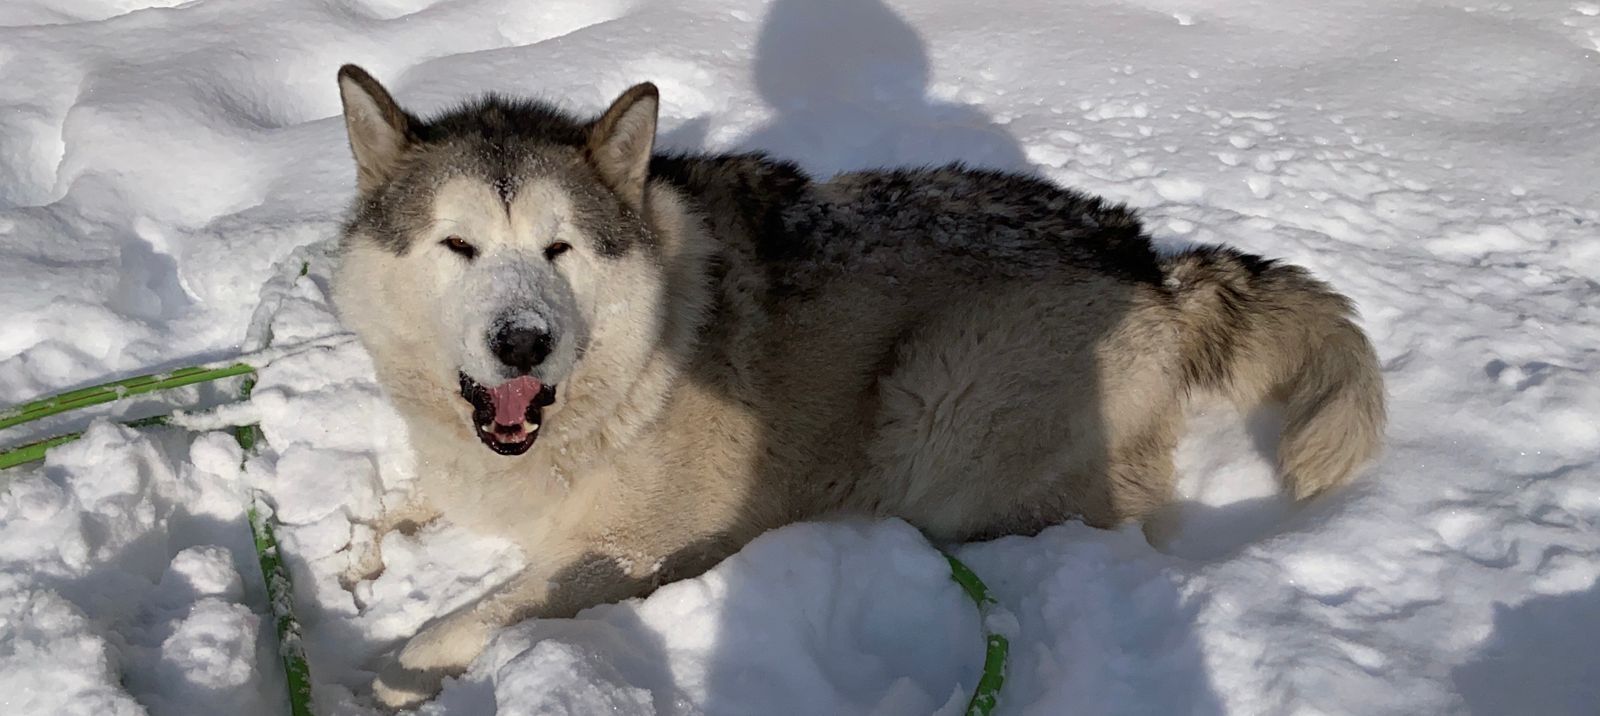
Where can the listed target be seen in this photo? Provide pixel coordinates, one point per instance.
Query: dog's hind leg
(1140, 478)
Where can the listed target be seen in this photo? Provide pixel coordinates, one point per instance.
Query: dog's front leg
(449, 644)
(366, 556)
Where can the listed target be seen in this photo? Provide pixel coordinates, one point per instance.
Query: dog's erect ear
(621, 140)
(379, 129)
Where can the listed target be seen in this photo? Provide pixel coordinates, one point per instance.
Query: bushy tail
(1258, 330)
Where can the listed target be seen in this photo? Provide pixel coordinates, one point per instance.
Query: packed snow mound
(123, 576)
(167, 168)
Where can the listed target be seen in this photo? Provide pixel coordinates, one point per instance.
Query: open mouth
(507, 416)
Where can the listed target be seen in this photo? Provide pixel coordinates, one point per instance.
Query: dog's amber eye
(460, 246)
(556, 249)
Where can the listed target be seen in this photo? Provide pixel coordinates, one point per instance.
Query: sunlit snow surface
(1436, 161)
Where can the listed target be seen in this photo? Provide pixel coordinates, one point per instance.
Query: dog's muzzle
(507, 416)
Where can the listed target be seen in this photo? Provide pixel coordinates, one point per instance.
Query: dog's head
(492, 247)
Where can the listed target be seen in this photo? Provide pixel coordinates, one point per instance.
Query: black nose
(521, 348)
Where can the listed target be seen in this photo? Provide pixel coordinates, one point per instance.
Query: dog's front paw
(444, 648)
(398, 687)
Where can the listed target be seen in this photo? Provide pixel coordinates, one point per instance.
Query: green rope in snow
(97, 395)
(34, 451)
(280, 589)
(997, 647)
(117, 390)
(280, 592)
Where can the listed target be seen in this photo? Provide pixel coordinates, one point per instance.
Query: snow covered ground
(165, 170)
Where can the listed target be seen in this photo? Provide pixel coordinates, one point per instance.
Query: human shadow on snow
(848, 85)
(1540, 658)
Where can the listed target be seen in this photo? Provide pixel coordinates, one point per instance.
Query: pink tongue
(511, 400)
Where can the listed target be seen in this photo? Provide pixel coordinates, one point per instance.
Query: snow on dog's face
(492, 247)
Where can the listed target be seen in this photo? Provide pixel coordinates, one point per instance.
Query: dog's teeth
(530, 427)
(486, 427)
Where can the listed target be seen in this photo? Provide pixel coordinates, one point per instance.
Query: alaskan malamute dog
(633, 364)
